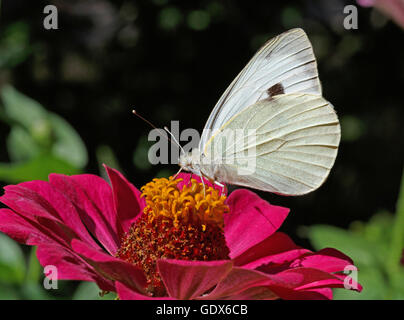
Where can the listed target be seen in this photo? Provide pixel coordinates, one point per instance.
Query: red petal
(276, 249)
(190, 279)
(70, 266)
(110, 267)
(20, 229)
(92, 197)
(250, 221)
(127, 201)
(126, 293)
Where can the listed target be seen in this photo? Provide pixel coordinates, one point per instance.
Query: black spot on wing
(275, 90)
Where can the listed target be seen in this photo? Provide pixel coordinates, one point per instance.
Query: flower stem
(397, 240)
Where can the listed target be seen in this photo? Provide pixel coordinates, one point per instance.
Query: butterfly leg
(203, 182)
(178, 172)
(223, 186)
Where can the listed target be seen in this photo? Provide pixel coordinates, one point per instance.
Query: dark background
(173, 59)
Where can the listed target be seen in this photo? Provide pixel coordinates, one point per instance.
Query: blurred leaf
(12, 262)
(8, 292)
(140, 155)
(377, 229)
(68, 144)
(34, 291)
(105, 155)
(20, 145)
(398, 286)
(394, 264)
(164, 173)
(352, 128)
(375, 286)
(14, 45)
(291, 17)
(36, 169)
(363, 252)
(28, 113)
(44, 130)
(170, 18)
(198, 20)
(90, 291)
(34, 270)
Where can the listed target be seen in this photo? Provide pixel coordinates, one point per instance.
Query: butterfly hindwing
(294, 148)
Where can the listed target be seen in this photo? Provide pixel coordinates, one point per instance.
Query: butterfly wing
(285, 64)
(296, 138)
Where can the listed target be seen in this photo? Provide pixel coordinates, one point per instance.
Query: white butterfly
(297, 133)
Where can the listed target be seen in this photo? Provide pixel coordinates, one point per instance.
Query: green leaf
(44, 130)
(90, 291)
(397, 240)
(68, 144)
(35, 291)
(164, 173)
(12, 262)
(363, 252)
(14, 45)
(352, 128)
(20, 145)
(25, 111)
(375, 286)
(105, 155)
(398, 285)
(36, 169)
(140, 155)
(8, 292)
(34, 270)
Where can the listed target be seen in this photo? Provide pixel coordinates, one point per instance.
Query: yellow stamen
(164, 198)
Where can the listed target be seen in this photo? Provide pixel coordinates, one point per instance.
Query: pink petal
(127, 201)
(250, 221)
(20, 229)
(327, 260)
(70, 266)
(275, 250)
(366, 3)
(237, 281)
(126, 293)
(300, 283)
(110, 267)
(190, 279)
(255, 293)
(27, 202)
(392, 8)
(37, 212)
(57, 204)
(308, 278)
(314, 294)
(92, 198)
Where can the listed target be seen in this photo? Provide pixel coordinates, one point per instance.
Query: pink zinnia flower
(392, 8)
(173, 242)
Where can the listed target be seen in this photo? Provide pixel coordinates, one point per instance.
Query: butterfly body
(196, 163)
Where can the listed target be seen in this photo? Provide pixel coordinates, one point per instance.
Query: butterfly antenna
(153, 126)
(175, 140)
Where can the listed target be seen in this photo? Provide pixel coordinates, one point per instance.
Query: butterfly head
(190, 161)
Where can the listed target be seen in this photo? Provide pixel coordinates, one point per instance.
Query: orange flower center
(184, 224)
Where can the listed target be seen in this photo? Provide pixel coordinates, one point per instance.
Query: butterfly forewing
(285, 64)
